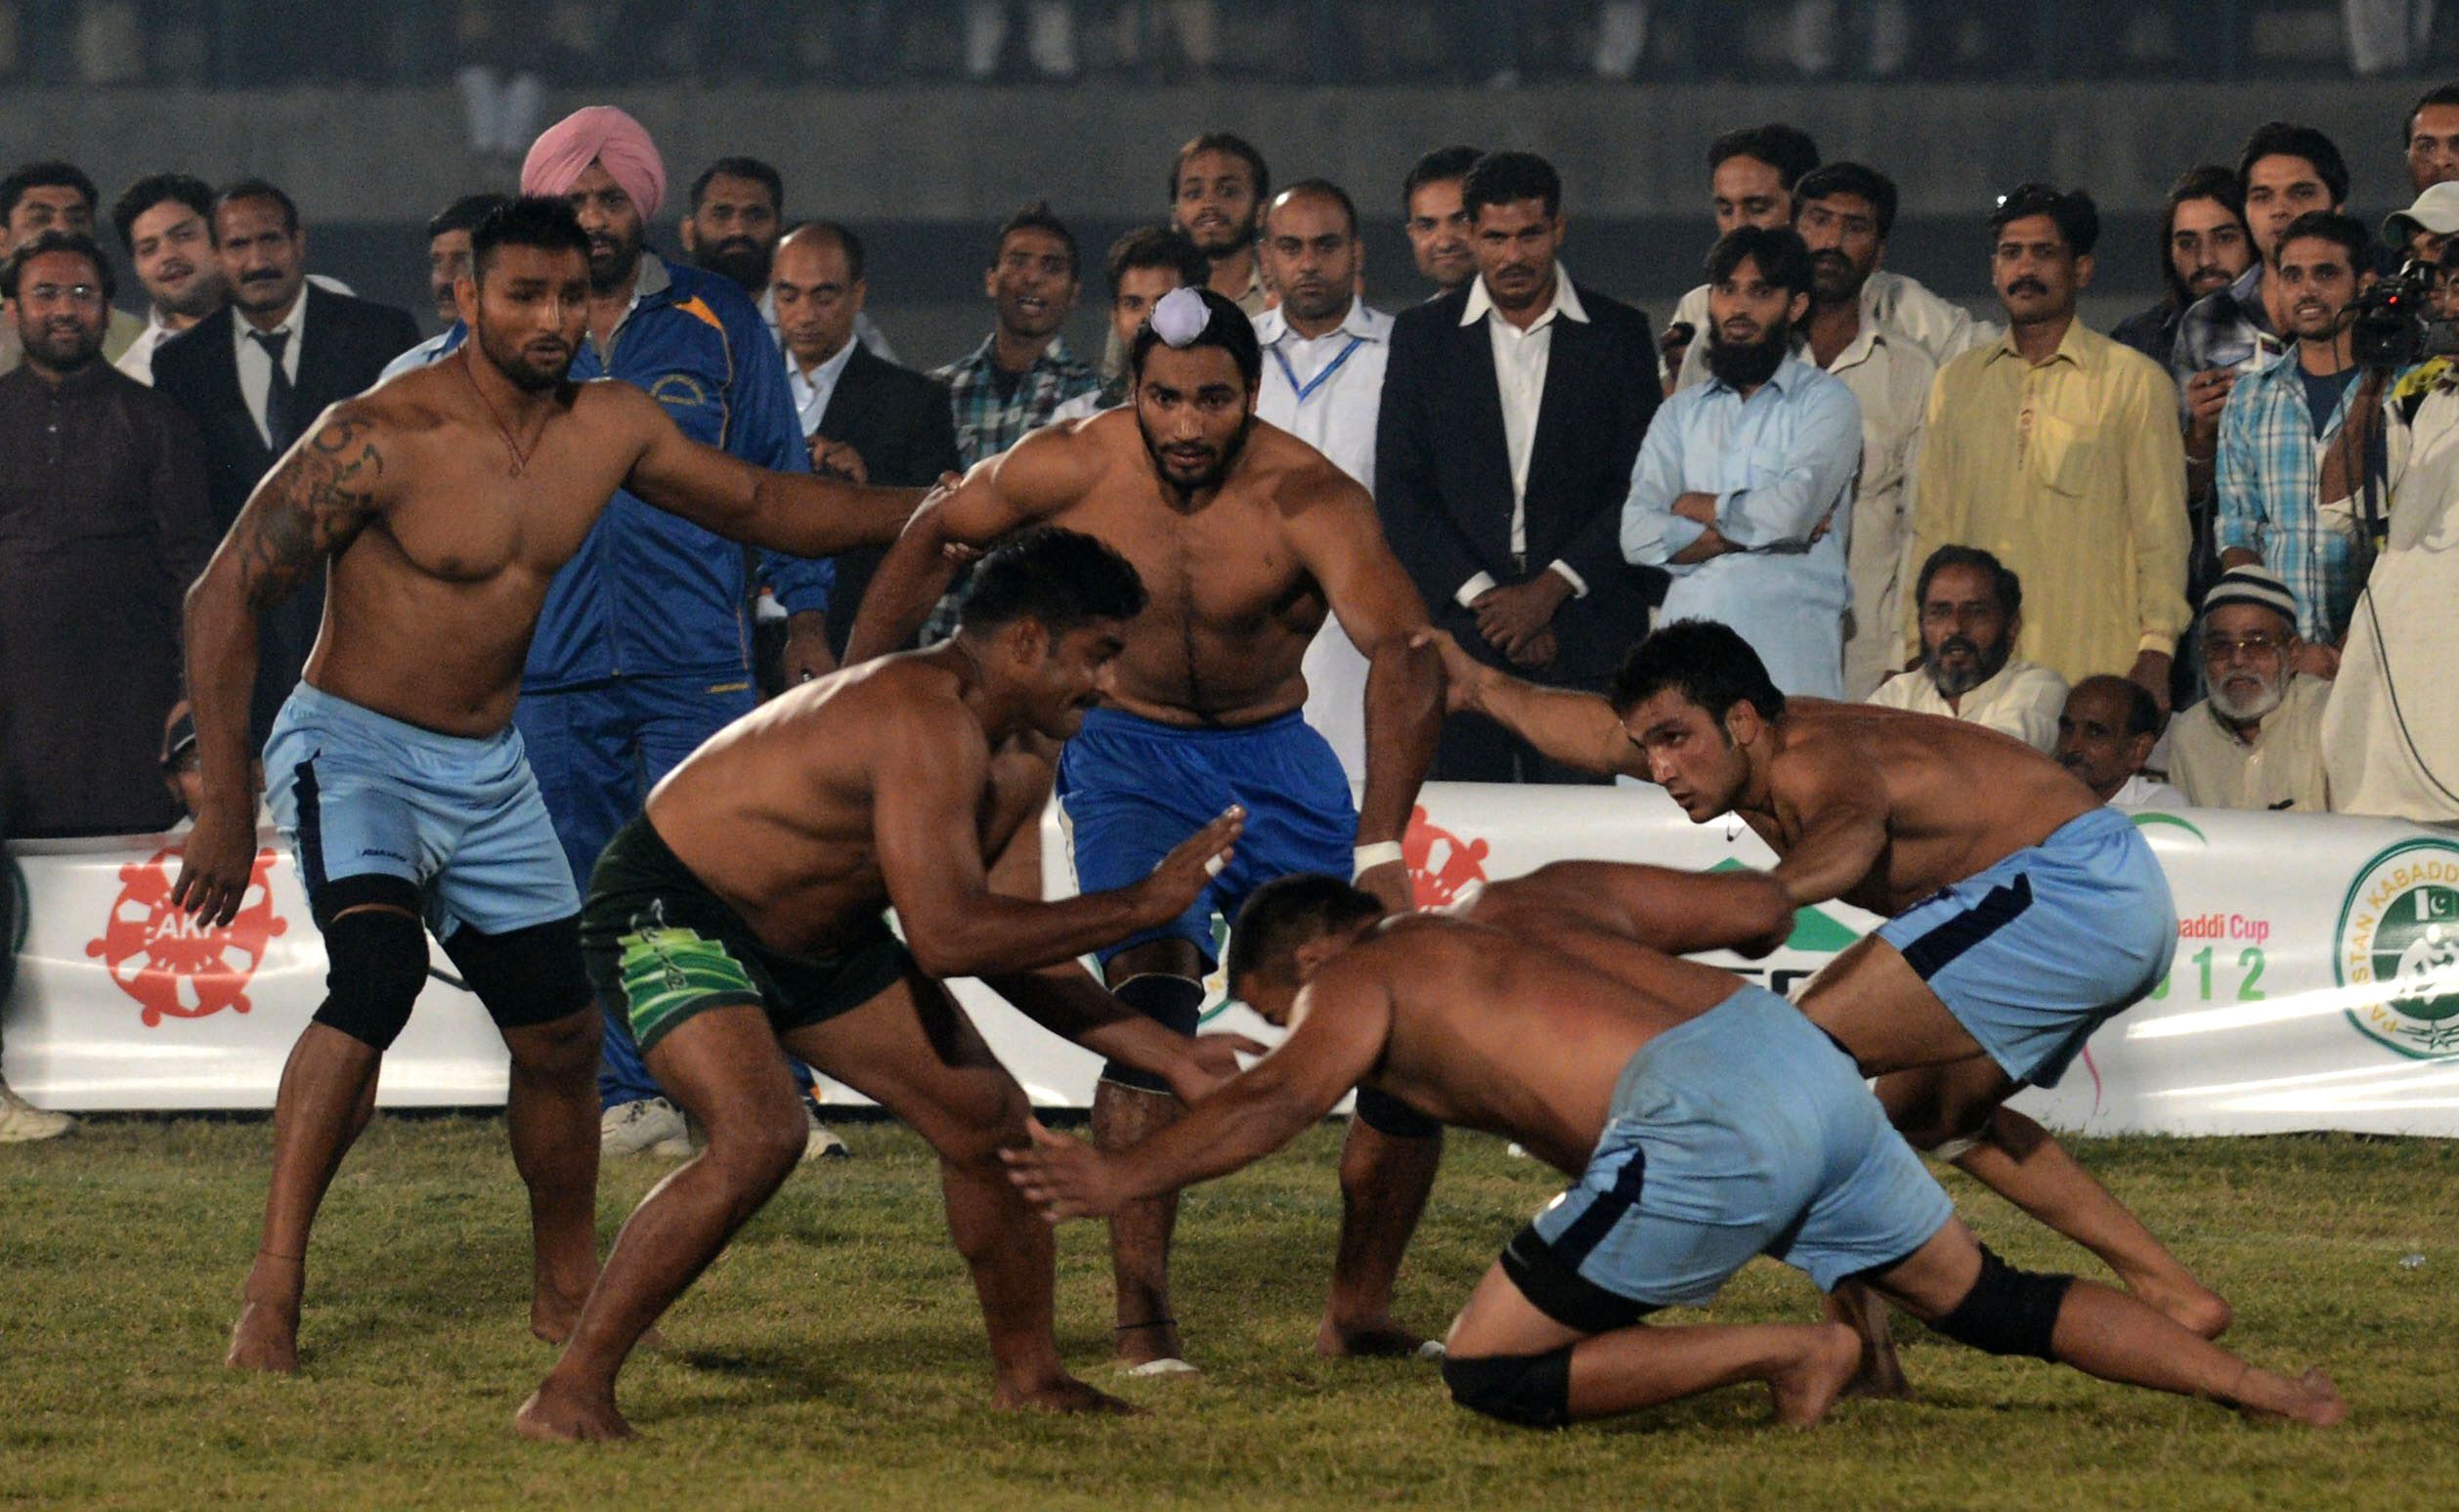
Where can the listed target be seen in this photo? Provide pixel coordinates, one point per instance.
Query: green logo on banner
(2400, 929)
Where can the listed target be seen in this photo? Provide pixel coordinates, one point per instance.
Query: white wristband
(1365, 858)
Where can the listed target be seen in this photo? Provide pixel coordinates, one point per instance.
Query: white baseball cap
(2435, 210)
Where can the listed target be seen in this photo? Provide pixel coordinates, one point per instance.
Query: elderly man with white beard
(2257, 741)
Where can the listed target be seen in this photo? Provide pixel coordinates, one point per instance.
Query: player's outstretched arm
(927, 774)
(802, 514)
(1341, 542)
(1032, 480)
(1065, 1000)
(1662, 907)
(306, 510)
(1344, 1019)
(1577, 729)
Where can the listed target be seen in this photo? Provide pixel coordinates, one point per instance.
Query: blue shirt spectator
(1780, 462)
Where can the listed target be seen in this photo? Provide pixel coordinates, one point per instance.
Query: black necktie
(282, 423)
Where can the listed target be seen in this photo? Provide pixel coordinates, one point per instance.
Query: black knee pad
(377, 949)
(525, 976)
(1531, 1390)
(2008, 1311)
(1175, 1003)
(1385, 1113)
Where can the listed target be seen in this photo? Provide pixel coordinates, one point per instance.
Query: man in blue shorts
(1245, 537)
(1704, 1121)
(2022, 913)
(442, 503)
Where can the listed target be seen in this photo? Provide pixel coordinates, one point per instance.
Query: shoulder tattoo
(311, 507)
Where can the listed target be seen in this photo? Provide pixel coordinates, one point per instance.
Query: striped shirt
(987, 424)
(2266, 482)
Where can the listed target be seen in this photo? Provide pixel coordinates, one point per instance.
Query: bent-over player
(1704, 1121)
(444, 501)
(1245, 537)
(2021, 914)
(742, 911)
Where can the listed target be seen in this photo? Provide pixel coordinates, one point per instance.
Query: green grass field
(833, 1358)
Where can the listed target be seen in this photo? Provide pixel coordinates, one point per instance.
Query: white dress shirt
(1519, 363)
(256, 364)
(138, 361)
(1327, 391)
(2022, 699)
(811, 391)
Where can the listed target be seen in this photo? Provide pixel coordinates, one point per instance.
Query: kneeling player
(1705, 1121)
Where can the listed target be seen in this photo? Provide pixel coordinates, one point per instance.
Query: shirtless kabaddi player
(1244, 537)
(743, 912)
(1704, 1121)
(444, 501)
(2021, 913)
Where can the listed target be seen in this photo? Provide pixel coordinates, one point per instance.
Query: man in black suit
(257, 373)
(1513, 407)
(865, 419)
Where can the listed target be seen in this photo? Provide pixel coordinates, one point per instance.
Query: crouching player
(1704, 1120)
(740, 918)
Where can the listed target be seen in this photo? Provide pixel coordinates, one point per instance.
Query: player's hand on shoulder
(1182, 875)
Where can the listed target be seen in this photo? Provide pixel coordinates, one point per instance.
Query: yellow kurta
(2073, 474)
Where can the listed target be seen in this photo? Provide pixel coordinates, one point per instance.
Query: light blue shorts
(1744, 1132)
(2037, 951)
(359, 794)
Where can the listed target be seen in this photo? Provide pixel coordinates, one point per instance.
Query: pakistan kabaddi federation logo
(2400, 929)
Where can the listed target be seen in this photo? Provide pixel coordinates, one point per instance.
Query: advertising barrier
(2315, 986)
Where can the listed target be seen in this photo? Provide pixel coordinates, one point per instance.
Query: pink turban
(603, 135)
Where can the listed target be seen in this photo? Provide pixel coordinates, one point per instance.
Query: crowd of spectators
(504, 53)
(2014, 521)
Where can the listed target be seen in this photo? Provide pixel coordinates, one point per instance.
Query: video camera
(2394, 327)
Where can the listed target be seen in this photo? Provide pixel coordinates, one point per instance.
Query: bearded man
(2257, 742)
(1971, 611)
(1247, 539)
(1742, 487)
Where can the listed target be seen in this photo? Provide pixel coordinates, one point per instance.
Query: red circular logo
(1441, 864)
(173, 966)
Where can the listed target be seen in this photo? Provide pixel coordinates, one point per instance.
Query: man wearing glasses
(2257, 742)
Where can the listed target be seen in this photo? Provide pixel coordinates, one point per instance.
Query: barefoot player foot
(1140, 1343)
(1065, 1394)
(1805, 1391)
(265, 1338)
(1382, 1339)
(2311, 1399)
(556, 1415)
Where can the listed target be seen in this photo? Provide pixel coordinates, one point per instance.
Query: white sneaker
(21, 1122)
(652, 1126)
(820, 1139)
